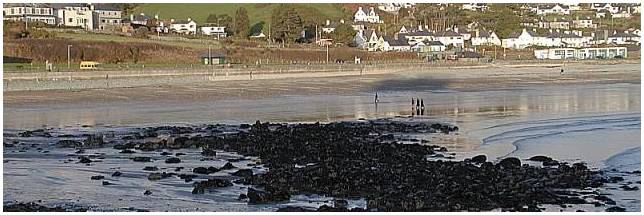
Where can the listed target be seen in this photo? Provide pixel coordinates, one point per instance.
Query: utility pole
(68, 56)
(209, 57)
(26, 25)
(327, 53)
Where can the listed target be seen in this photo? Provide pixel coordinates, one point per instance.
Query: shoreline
(109, 79)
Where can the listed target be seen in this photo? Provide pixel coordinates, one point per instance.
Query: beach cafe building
(581, 53)
(213, 57)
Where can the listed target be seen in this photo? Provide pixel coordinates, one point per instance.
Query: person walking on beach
(376, 98)
(412, 101)
(562, 71)
(422, 104)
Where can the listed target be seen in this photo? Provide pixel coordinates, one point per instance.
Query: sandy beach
(509, 111)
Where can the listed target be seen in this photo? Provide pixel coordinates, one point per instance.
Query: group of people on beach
(417, 106)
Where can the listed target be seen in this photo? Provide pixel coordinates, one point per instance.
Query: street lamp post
(68, 56)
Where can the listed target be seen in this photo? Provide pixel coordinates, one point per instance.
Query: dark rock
(97, 177)
(615, 209)
(615, 179)
(261, 197)
(540, 158)
(34, 207)
(243, 173)
(69, 143)
(186, 177)
(147, 193)
(158, 176)
(93, 141)
(627, 188)
(510, 163)
(165, 153)
(178, 169)
(150, 168)
(124, 146)
(116, 174)
(179, 154)
(106, 183)
(204, 170)
(479, 159)
(173, 160)
(84, 159)
(242, 197)
(209, 152)
(340, 203)
(200, 187)
(293, 209)
(127, 151)
(142, 159)
(226, 166)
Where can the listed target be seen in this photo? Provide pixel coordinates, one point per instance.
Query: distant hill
(256, 12)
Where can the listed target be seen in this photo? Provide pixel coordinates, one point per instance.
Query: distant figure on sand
(422, 104)
(412, 101)
(376, 99)
(562, 71)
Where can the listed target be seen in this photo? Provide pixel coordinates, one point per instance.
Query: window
(71, 20)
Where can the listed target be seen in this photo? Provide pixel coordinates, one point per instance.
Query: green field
(256, 12)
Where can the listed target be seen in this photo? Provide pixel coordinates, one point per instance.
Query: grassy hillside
(256, 12)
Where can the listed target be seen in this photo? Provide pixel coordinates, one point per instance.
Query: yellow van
(89, 65)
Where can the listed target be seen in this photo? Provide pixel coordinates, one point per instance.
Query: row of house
(179, 26)
(557, 38)
(86, 16)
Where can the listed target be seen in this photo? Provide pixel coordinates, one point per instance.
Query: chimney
(189, 19)
(359, 8)
(550, 30)
(142, 14)
(328, 22)
(156, 16)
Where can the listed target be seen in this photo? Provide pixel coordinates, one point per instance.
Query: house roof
(552, 6)
(37, 5)
(433, 43)
(395, 42)
(484, 34)
(447, 34)
(555, 34)
(623, 34)
(212, 54)
(419, 33)
(181, 22)
(64, 5)
(109, 7)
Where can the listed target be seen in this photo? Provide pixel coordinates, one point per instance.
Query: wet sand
(502, 112)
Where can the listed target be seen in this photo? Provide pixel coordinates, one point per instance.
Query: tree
(212, 18)
(286, 23)
(344, 34)
(241, 22)
(257, 28)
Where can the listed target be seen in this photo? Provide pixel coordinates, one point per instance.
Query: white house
(583, 22)
(521, 40)
(106, 17)
(474, 6)
(485, 38)
(370, 17)
(387, 43)
(624, 37)
(605, 6)
(556, 9)
(218, 31)
(389, 7)
(418, 36)
(184, 26)
(450, 38)
(366, 39)
(73, 15)
(329, 26)
(31, 11)
(581, 53)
